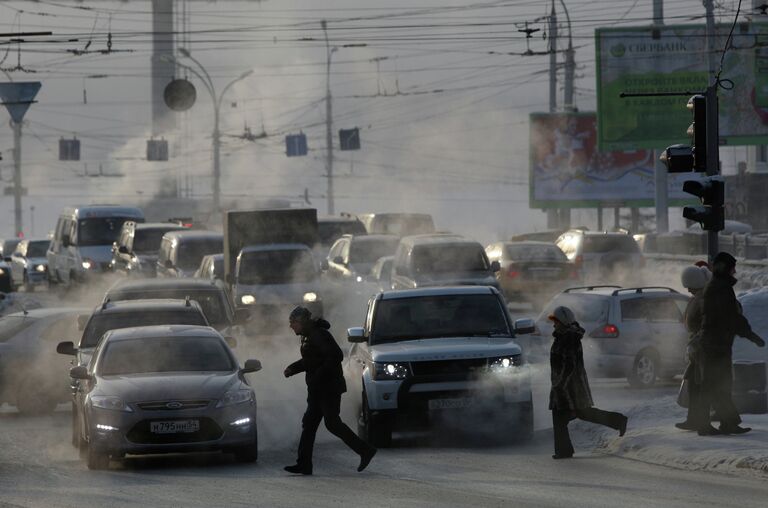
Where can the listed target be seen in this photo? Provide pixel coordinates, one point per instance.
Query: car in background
(531, 271)
(211, 267)
(29, 265)
(441, 260)
(135, 252)
(635, 333)
(165, 389)
(381, 273)
(32, 376)
(6, 279)
(602, 257)
(352, 257)
(7, 247)
(330, 229)
(212, 296)
(399, 224)
(81, 247)
(448, 350)
(181, 252)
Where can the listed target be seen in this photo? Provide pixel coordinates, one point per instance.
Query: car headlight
(248, 299)
(390, 370)
(310, 297)
(87, 264)
(233, 397)
(504, 363)
(110, 402)
(40, 268)
(2, 271)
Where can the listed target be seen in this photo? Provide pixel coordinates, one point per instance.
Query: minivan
(442, 260)
(181, 252)
(82, 241)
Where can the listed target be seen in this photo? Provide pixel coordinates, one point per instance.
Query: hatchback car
(603, 258)
(29, 266)
(165, 389)
(351, 258)
(637, 333)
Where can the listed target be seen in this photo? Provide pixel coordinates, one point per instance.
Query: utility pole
(713, 120)
(553, 217)
(568, 106)
(660, 170)
(17, 188)
(328, 121)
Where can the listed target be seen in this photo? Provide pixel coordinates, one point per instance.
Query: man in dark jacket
(722, 320)
(321, 360)
(570, 396)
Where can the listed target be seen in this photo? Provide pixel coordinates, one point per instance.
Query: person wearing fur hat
(570, 396)
(321, 360)
(694, 279)
(722, 320)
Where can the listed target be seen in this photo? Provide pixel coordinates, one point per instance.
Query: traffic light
(685, 158)
(349, 139)
(157, 150)
(296, 145)
(710, 214)
(69, 149)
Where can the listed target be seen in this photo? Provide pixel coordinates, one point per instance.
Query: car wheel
(375, 430)
(645, 369)
(524, 430)
(34, 399)
(97, 459)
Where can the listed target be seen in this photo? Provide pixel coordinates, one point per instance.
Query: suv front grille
(447, 367)
(141, 434)
(172, 405)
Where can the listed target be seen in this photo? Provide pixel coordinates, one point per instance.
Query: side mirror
(251, 366)
(82, 320)
(168, 264)
(66, 348)
(123, 249)
(231, 341)
(356, 335)
(338, 260)
(66, 240)
(241, 316)
(524, 326)
(79, 372)
(495, 266)
(324, 264)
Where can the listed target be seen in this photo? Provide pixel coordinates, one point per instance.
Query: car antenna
(187, 303)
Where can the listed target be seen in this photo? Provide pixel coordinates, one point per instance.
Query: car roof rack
(591, 288)
(643, 289)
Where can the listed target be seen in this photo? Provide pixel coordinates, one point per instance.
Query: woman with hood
(570, 397)
(321, 360)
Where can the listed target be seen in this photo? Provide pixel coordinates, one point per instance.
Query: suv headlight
(40, 268)
(110, 402)
(234, 397)
(390, 370)
(505, 363)
(2, 271)
(87, 264)
(310, 297)
(248, 299)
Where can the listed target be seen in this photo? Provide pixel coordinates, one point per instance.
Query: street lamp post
(216, 100)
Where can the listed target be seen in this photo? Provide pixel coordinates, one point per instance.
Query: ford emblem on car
(174, 405)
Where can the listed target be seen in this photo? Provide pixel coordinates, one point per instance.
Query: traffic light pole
(713, 158)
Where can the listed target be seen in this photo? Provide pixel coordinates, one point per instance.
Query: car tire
(97, 459)
(376, 430)
(645, 369)
(33, 399)
(524, 430)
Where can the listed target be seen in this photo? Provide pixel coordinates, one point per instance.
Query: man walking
(570, 396)
(321, 360)
(722, 320)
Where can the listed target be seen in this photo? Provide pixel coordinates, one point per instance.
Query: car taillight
(607, 331)
(513, 272)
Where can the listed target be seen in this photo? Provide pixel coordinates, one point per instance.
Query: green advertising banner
(673, 58)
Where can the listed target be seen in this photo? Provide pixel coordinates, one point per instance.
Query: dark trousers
(560, 421)
(716, 392)
(696, 407)
(325, 406)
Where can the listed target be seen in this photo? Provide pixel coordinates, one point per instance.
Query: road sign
(18, 96)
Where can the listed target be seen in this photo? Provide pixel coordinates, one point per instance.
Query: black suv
(135, 252)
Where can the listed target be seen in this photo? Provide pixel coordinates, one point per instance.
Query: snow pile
(17, 302)
(652, 437)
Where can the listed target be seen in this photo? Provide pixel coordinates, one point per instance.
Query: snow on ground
(17, 302)
(652, 437)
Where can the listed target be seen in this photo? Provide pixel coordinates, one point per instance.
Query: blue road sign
(17, 97)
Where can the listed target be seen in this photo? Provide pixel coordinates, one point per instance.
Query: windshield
(439, 316)
(99, 324)
(161, 354)
(37, 249)
(99, 231)
(447, 258)
(403, 225)
(610, 243)
(329, 232)
(191, 252)
(147, 241)
(586, 308)
(277, 267)
(369, 250)
(213, 301)
(536, 253)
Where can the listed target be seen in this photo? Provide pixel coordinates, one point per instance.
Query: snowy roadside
(652, 437)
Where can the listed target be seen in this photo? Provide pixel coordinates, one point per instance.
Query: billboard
(673, 58)
(568, 171)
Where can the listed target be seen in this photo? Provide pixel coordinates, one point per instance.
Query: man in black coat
(570, 396)
(321, 360)
(722, 320)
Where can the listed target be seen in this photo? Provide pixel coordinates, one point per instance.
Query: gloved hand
(759, 342)
(288, 372)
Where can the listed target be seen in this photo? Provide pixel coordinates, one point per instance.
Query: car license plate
(450, 403)
(174, 427)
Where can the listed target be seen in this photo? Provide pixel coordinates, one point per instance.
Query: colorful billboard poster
(673, 58)
(567, 169)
